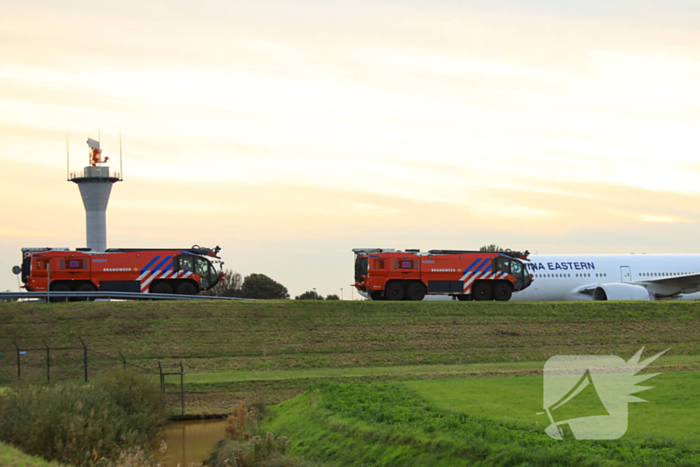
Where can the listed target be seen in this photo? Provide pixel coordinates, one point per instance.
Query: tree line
(258, 286)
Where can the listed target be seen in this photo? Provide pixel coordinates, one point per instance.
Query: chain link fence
(42, 361)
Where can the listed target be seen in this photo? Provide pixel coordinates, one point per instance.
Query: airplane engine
(621, 291)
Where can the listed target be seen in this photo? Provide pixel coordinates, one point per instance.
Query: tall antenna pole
(121, 169)
(67, 159)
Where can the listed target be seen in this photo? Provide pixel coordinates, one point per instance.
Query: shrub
(240, 423)
(244, 444)
(83, 425)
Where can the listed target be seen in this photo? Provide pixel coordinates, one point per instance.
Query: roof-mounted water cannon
(517, 254)
(204, 251)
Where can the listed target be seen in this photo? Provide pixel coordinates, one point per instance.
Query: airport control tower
(95, 183)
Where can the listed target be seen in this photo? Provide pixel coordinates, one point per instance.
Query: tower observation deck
(95, 183)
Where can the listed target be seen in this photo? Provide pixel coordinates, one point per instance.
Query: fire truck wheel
(481, 291)
(186, 288)
(85, 287)
(394, 291)
(415, 291)
(162, 287)
(502, 292)
(59, 287)
(376, 296)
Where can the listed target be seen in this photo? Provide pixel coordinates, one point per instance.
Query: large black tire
(394, 291)
(84, 287)
(415, 291)
(376, 296)
(186, 288)
(162, 287)
(502, 292)
(59, 287)
(464, 298)
(481, 291)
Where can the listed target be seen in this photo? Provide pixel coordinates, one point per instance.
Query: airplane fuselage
(562, 277)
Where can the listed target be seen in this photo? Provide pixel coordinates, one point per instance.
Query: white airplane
(612, 277)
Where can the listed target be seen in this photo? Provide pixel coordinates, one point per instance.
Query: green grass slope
(386, 424)
(281, 346)
(12, 457)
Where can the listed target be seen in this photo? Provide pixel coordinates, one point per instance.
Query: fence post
(182, 386)
(124, 358)
(19, 365)
(48, 359)
(85, 354)
(162, 380)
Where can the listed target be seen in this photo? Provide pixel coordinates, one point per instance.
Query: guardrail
(57, 296)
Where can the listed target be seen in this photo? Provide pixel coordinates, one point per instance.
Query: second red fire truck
(387, 274)
(185, 271)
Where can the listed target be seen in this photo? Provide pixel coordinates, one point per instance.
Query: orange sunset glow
(290, 132)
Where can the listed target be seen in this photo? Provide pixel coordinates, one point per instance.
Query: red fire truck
(185, 271)
(387, 274)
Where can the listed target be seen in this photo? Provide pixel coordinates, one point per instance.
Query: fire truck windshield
(360, 267)
(516, 269)
(206, 271)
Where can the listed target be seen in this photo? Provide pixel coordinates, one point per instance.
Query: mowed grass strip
(671, 413)
(287, 335)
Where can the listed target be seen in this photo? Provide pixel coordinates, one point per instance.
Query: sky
(290, 132)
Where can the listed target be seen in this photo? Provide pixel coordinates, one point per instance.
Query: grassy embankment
(235, 350)
(388, 424)
(11, 456)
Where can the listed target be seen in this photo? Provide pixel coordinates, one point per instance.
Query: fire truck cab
(388, 274)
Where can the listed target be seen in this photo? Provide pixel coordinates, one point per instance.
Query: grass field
(236, 349)
(671, 413)
(450, 360)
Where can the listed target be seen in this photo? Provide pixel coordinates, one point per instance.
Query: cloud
(277, 128)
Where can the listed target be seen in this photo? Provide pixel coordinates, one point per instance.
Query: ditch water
(188, 442)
